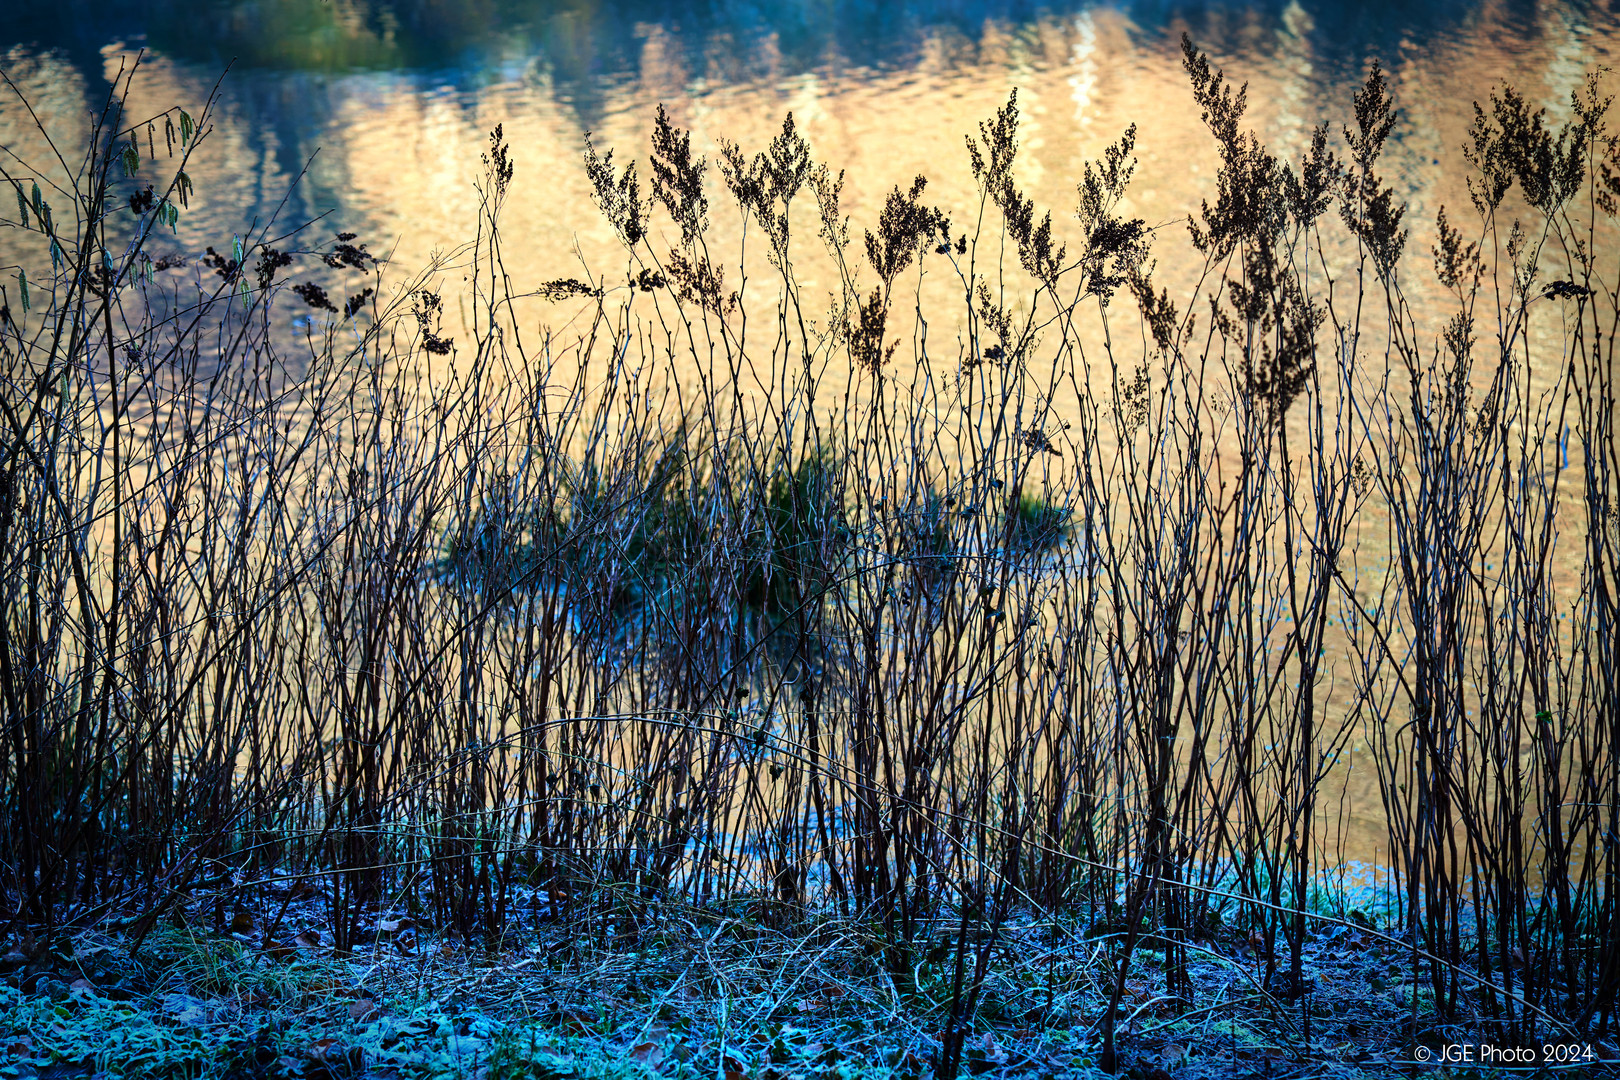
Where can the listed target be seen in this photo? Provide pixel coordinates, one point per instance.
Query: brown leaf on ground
(649, 1054)
(309, 939)
(336, 1059)
(278, 950)
(242, 922)
(990, 1049)
(363, 1009)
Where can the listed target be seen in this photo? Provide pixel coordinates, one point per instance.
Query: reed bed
(725, 593)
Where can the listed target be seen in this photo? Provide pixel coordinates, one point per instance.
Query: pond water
(384, 105)
(379, 109)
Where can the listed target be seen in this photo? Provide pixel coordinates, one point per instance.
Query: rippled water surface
(384, 105)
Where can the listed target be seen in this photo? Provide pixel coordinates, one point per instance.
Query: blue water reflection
(582, 40)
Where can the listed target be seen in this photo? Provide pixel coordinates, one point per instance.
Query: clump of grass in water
(1034, 523)
(804, 530)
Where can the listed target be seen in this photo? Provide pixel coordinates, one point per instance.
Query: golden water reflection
(393, 155)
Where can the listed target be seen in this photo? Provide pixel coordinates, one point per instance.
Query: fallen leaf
(309, 939)
(277, 950)
(241, 922)
(338, 1059)
(363, 1009)
(647, 1053)
(990, 1050)
(187, 1009)
(392, 926)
